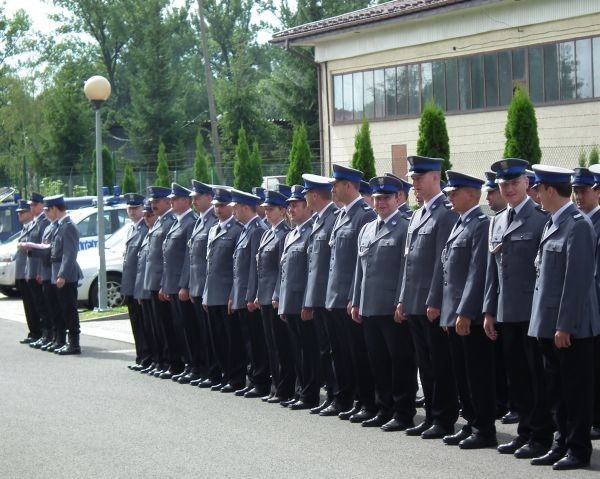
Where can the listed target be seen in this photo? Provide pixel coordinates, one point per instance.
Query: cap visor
(448, 189)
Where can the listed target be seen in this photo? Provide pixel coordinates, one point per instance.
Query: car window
(88, 226)
(6, 220)
(115, 219)
(120, 236)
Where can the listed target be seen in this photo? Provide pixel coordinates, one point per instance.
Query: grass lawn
(88, 315)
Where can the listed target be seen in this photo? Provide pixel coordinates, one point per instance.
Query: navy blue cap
(316, 182)
(509, 169)
(244, 198)
(260, 192)
(221, 195)
(346, 173)
(23, 206)
(36, 198)
(364, 188)
(530, 177)
(490, 181)
(274, 198)
(406, 186)
(199, 188)
(297, 194)
(551, 175)
(385, 185)
(460, 180)
(595, 170)
(582, 177)
(133, 199)
(147, 207)
(56, 200)
(158, 192)
(419, 165)
(284, 189)
(178, 191)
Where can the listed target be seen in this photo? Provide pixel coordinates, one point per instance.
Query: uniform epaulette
(367, 208)
(337, 212)
(448, 205)
(240, 224)
(482, 216)
(577, 215)
(540, 209)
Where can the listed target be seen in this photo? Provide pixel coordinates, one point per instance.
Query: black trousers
(338, 333)
(37, 297)
(155, 351)
(525, 370)
(175, 335)
(254, 338)
(31, 316)
(140, 335)
(53, 307)
(435, 369)
(392, 359)
(570, 389)
(596, 419)
(321, 316)
(226, 337)
(67, 298)
(281, 361)
(208, 367)
(187, 333)
(303, 337)
(504, 397)
(160, 310)
(474, 370)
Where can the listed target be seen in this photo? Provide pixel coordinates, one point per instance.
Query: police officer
(365, 192)
(531, 191)
(317, 193)
(135, 237)
(224, 329)
(269, 253)
(403, 193)
(514, 237)
(260, 209)
(595, 432)
(492, 193)
(194, 278)
(586, 196)
(564, 318)
(377, 284)
(464, 262)
(421, 298)
(288, 297)
(348, 347)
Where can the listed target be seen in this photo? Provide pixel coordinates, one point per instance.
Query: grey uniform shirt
(194, 277)
(33, 267)
(268, 257)
(154, 256)
(21, 255)
(175, 257)
(63, 252)
(245, 277)
(133, 243)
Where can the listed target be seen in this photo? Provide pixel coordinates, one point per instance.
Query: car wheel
(9, 292)
(113, 292)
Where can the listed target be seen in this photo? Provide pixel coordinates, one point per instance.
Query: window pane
(566, 52)
(402, 89)
(369, 96)
(477, 81)
(491, 80)
(413, 89)
(551, 72)
(379, 94)
(583, 52)
(426, 83)
(451, 85)
(536, 87)
(348, 97)
(464, 83)
(596, 48)
(338, 98)
(504, 78)
(518, 64)
(357, 87)
(390, 92)
(439, 84)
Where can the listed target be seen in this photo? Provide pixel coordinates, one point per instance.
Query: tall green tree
(201, 172)
(300, 157)
(433, 136)
(108, 170)
(256, 165)
(162, 168)
(129, 183)
(594, 156)
(242, 167)
(363, 158)
(521, 133)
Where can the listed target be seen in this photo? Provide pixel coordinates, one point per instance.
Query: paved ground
(89, 416)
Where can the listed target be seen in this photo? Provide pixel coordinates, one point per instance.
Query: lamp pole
(97, 90)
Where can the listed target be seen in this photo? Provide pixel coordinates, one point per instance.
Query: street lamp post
(97, 90)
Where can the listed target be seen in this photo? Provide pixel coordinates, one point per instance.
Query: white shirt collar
(347, 207)
(559, 212)
(519, 207)
(322, 212)
(466, 214)
(593, 212)
(203, 214)
(274, 227)
(390, 216)
(299, 227)
(224, 223)
(182, 215)
(433, 200)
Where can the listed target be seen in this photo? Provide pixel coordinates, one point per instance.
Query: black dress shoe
(333, 409)
(216, 387)
(255, 393)
(37, 344)
(345, 415)
(377, 421)
(595, 433)
(396, 425)
(511, 417)
(363, 415)
(419, 429)
(437, 432)
(570, 462)
(69, 350)
(166, 375)
(514, 445)
(243, 390)
(27, 340)
(300, 405)
(228, 388)
(454, 439)
(477, 441)
(548, 459)
(59, 348)
(267, 397)
(207, 383)
(321, 407)
(288, 402)
(197, 381)
(530, 450)
(188, 378)
(275, 400)
(420, 402)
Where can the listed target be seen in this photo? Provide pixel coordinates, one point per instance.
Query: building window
(556, 72)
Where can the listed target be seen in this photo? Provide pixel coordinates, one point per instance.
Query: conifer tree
(162, 168)
(242, 175)
(129, 185)
(433, 139)
(363, 158)
(300, 157)
(521, 133)
(201, 162)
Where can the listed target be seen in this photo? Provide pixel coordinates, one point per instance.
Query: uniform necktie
(457, 225)
(218, 230)
(511, 215)
(380, 224)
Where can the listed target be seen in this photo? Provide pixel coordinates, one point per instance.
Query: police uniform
(514, 237)
(245, 280)
(464, 263)
(135, 237)
(422, 287)
(405, 210)
(269, 253)
(595, 218)
(349, 351)
(377, 282)
(260, 192)
(225, 333)
(565, 301)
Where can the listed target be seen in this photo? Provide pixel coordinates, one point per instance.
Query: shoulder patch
(539, 209)
(482, 216)
(367, 208)
(336, 212)
(448, 205)
(577, 215)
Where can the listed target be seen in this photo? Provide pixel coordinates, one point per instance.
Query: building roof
(386, 11)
